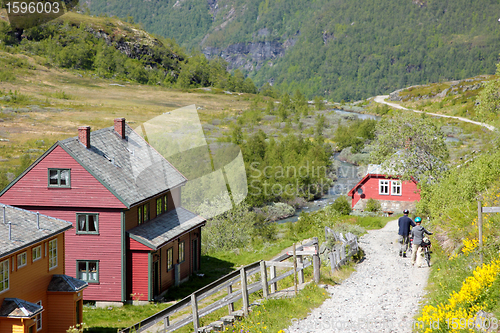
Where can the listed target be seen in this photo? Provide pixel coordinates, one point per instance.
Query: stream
(348, 175)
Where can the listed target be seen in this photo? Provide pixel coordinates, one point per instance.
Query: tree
(411, 146)
(489, 98)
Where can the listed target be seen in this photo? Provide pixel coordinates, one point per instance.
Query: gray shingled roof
(66, 283)
(130, 167)
(165, 227)
(24, 228)
(19, 308)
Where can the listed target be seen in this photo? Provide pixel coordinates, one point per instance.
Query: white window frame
(22, 259)
(5, 268)
(384, 183)
(38, 318)
(394, 185)
(36, 253)
(52, 254)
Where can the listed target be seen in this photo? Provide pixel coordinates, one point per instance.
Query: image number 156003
(33, 7)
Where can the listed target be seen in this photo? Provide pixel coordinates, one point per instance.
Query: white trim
(399, 185)
(8, 274)
(40, 253)
(37, 316)
(383, 183)
(25, 259)
(56, 259)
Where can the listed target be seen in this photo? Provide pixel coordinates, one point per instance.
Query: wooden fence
(343, 251)
(226, 283)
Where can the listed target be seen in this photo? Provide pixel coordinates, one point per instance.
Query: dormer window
(59, 178)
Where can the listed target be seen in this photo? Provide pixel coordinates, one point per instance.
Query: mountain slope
(337, 48)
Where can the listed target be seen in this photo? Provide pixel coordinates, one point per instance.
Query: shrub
(373, 205)
(342, 205)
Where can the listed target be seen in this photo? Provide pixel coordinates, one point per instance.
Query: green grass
(110, 319)
(274, 315)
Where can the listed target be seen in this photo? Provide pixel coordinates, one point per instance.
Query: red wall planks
(32, 189)
(139, 275)
(105, 247)
(409, 191)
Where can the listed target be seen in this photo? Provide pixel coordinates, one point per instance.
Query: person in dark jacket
(404, 224)
(418, 236)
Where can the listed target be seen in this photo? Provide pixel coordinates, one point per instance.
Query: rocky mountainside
(336, 48)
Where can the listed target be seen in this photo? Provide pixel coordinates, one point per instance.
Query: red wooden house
(35, 295)
(131, 235)
(393, 194)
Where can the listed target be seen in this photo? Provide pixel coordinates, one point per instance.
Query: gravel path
(382, 99)
(382, 295)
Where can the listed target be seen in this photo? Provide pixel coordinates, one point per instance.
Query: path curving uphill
(382, 99)
(382, 295)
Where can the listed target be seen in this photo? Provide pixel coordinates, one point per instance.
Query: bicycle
(426, 248)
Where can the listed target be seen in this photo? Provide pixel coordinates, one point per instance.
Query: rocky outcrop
(454, 88)
(251, 55)
(139, 46)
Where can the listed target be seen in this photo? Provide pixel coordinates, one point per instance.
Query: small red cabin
(393, 194)
(131, 237)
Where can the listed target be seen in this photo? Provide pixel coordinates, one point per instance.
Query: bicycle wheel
(427, 256)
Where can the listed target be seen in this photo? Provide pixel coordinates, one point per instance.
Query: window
(165, 203)
(87, 223)
(170, 259)
(36, 252)
(53, 254)
(383, 187)
(39, 318)
(21, 260)
(4, 275)
(59, 178)
(181, 252)
(143, 213)
(159, 206)
(396, 187)
(88, 270)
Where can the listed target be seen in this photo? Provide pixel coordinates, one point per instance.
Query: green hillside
(343, 49)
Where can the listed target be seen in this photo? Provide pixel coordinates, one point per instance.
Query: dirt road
(382, 99)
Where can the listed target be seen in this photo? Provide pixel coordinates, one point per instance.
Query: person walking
(418, 236)
(404, 223)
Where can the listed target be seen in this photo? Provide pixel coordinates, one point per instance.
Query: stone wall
(388, 205)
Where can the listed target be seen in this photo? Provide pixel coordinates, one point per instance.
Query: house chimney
(10, 230)
(84, 135)
(37, 220)
(120, 127)
(4, 218)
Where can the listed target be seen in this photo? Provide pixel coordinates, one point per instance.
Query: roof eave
(48, 151)
(154, 247)
(36, 241)
(127, 205)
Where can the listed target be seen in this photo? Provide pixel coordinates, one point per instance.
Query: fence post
(480, 226)
(263, 277)
(294, 269)
(166, 323)
(316, 263)
(332, 261)
(301, 272)
(230, 306)
(194, 307)
(274, 286)
(244, 290)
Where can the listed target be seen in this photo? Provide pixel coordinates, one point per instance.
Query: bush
(276, 211)
(373, 205)
(342, 205)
